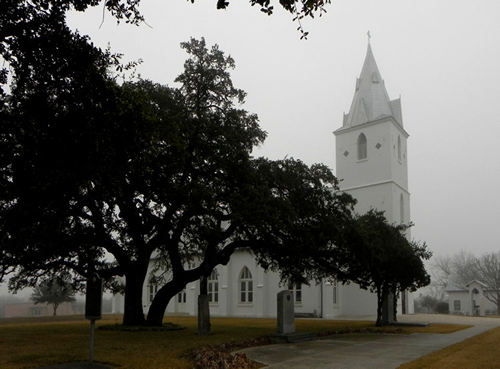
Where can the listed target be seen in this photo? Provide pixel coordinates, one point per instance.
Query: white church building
(371, 161)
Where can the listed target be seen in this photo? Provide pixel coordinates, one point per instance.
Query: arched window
(401, 209)
(399, 148)
(246, 286)
(181, 297)
(296, 289)
(362, 154)
(213, 287)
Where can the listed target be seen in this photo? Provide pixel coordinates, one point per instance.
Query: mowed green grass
(26, 343)
(479, 352)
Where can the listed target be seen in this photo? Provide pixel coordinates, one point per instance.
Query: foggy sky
(442, 57)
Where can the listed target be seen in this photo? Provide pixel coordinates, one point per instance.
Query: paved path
(360, 351)
(77, 365)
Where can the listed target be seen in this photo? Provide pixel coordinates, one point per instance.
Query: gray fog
(442, 57)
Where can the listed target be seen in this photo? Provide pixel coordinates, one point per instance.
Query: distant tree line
(430, 304)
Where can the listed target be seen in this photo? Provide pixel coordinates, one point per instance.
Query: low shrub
(442, 307)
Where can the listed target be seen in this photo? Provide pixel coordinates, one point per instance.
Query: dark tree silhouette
(54, 291)
(141, 168)
(385, 261)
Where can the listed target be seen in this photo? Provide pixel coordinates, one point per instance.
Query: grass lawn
(479, 352)
(26, 343)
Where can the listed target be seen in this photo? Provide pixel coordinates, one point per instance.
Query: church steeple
(371, 101)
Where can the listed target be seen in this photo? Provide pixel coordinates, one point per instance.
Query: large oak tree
(101, 175)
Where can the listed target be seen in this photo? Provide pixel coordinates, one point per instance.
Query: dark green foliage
(130, 170)
(53, 291)
(55, 112)
(224, 198)
(384, 260)
(430, 304)
(128, 10)
(76, 144)
(426, 304)
(90, 168)
(442, 307)
(305, 220)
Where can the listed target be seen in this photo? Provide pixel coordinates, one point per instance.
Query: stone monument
(388, 309)
(286, 319)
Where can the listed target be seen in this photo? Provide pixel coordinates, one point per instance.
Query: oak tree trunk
(161, 300)
(134, 281)
(380, 301)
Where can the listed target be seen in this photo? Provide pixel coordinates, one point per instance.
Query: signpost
(93, 304)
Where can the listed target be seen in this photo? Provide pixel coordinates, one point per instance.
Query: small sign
(93, 298)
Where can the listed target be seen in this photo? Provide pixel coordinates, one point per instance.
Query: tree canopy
(140, 169)
(57, 110)
(384, 261)
(129, 11)
(101, 176)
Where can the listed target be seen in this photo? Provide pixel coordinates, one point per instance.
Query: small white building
(471, 300)
(371, 161)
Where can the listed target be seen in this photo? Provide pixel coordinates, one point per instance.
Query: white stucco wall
(317, 298)
(463, 297)
(356, 301)
(399, 168)
(381, 179)
(467, 298)
(374, 197)
(377, 165)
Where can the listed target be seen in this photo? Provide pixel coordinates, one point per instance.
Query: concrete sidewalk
(360, 351)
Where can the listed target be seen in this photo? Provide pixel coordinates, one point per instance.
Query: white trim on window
(296, 289)
(213, 287)
(245, 289)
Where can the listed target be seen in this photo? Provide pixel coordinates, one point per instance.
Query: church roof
(371, 101)
(475, 281)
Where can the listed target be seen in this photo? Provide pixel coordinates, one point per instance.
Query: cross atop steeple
(369, 36)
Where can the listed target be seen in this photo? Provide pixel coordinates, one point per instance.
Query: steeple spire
(371, 101)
